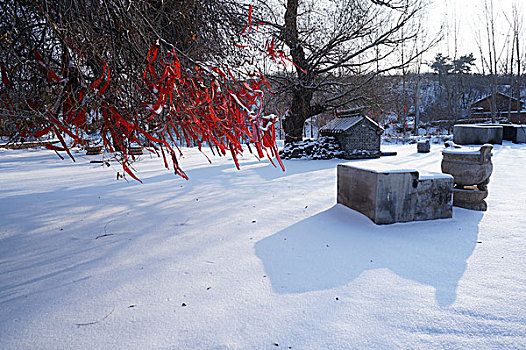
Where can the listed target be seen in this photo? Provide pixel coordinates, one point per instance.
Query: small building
(482, 108)
(354, 131)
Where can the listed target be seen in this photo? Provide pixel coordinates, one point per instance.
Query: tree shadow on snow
(334, 247)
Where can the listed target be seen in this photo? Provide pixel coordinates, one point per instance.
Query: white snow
(479, 126)
(259, 257)
(462, 150)
(433, 175)
(378, 167)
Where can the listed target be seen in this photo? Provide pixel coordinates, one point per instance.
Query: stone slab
(469, 194)
(395, 195)
(477, 134)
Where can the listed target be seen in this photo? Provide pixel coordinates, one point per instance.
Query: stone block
(434, 197)
(477, 134)
(515, 133)
(521, 134)
(136, 151)
(509, 132)
(423, 146)
(396, 195)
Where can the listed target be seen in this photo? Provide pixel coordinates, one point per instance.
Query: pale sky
(470, 22)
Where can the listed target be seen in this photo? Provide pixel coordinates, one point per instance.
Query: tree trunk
(298, 114)
(518, 78)
(417, 103)
(511, 80)
(300, 109)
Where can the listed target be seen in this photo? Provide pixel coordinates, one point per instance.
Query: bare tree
(517, 29)
(492, 61)
(336, 39)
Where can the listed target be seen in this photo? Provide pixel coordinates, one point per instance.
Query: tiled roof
(340, 125)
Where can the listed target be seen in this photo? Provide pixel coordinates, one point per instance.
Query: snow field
(250, 259)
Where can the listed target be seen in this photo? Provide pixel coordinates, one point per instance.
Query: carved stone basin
(468, 166)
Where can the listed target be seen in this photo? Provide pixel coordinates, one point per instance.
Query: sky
(469, 18)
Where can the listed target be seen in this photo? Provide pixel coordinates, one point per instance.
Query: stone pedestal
(470, 197)
(396, 195)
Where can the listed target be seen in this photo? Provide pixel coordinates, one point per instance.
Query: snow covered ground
(251, 259)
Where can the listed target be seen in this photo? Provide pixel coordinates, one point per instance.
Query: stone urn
(471, 170)
(468, 167)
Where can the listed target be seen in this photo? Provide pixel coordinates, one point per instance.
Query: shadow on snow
(334, 247)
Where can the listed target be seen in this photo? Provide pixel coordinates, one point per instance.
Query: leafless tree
(492, 60)
(330, 41)
(516, 27)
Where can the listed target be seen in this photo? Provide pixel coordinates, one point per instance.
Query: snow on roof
(479, 126)
(342, 124)
(339, 125)
(497, 93)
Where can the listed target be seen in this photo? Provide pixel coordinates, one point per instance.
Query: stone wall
(326, 147)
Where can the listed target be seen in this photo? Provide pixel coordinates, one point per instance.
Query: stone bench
(396, 195)
(477, 134)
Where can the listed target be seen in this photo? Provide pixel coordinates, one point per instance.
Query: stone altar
(477, 134)
(388, 196)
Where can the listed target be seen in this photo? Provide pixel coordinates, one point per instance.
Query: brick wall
(363, 136)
